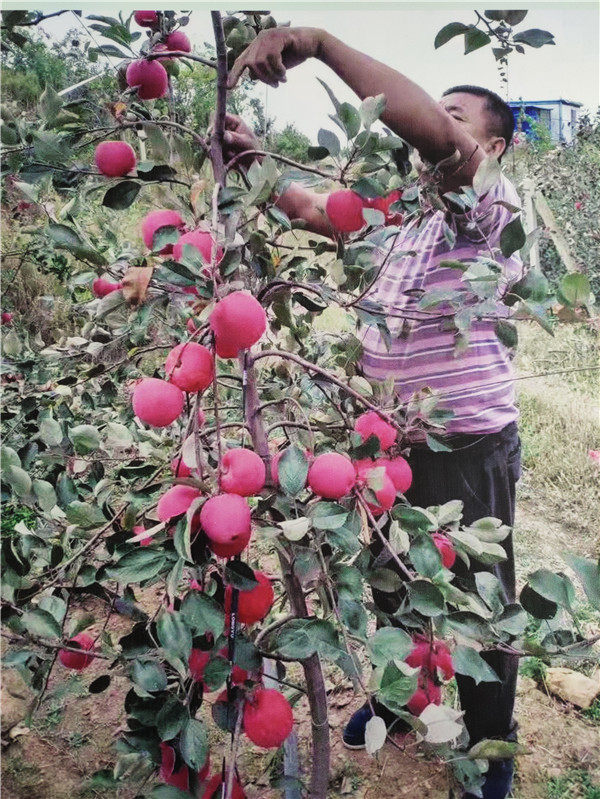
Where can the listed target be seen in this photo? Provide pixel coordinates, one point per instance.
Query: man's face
(469, 111)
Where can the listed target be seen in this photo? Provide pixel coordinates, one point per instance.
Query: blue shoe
(498, 781)
(354, 732)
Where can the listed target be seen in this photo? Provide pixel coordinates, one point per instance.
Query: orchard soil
(68, 752)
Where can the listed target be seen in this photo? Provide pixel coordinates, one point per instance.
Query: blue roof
(544, 102)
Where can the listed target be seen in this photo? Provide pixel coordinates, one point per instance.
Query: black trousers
(482, 471)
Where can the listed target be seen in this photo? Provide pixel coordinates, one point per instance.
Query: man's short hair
(501, 119)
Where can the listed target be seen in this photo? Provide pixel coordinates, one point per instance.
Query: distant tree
(290, 142)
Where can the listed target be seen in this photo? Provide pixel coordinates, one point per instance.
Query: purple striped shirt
(477, 384)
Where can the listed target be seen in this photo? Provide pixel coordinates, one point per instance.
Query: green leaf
(328, 515)
(507, 333)
(474, 39)
(537, 605)
(354, 616)
(42, 623)
(51, 432)
(171, 718)
(301, 638)
(292, 470)
(9, 457)
(317, 153)
(240, 575)
(202, 614)
(174, 635)
(45, 494)
(512, 237)
(330, 141)
(425, 556)
(49, 104)
(65, 238)
(513, 620)
(137, 566)
(371, 109)
(149, 675)
(534, 37)
(555, 587)
(574, 289)
(11, 344)
(426, 598)
(193, 744)
(84, 515)
(18, 480)
(490, 590)
(385, 580)
(350, 119)
(588, 572)
(85, 438)
(449, 32)
(389, 643)
(469, 625)
(121, 196)
(470, 663)
(396, 688)
(332, 96)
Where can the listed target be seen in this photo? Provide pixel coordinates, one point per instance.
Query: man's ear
(495, 146)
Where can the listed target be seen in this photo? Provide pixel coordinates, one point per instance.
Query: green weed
(574, 784)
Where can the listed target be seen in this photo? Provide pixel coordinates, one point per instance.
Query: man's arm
(297, 202)
(410, 112)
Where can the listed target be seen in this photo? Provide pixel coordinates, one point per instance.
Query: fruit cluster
(344, 209)
(433, 658)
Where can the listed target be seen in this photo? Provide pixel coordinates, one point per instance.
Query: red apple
(238, 321)
(101, 287)
(225, 518)
(155, 220)
(242, 472)
(386, 495)
(430, 656)
(157, 402)
(398, 471)
(190, 367)
(7, 318)
(149, 78)
(77, 660)
(446, 549)
(197, 662)
(254, 604)
(268, 718)
(178, 40)
(175, 501)
(114, 158)
(180, 778)
(344, 209)
(332, 475)
(179, 468)
(146, 19)
(229, 550)
(202, 241)
(427, 693)
(371, 423)
(383, 204)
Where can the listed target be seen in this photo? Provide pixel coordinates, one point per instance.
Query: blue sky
(401, 35)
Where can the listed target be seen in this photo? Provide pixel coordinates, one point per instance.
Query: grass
(559, 424)
(593, 713)
(573, 784)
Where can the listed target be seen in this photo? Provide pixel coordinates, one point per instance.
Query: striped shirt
(476, 384)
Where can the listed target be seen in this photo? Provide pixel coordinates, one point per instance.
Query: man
(468, 124)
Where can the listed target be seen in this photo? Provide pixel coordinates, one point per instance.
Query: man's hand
(238, 138)
(273, 51)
